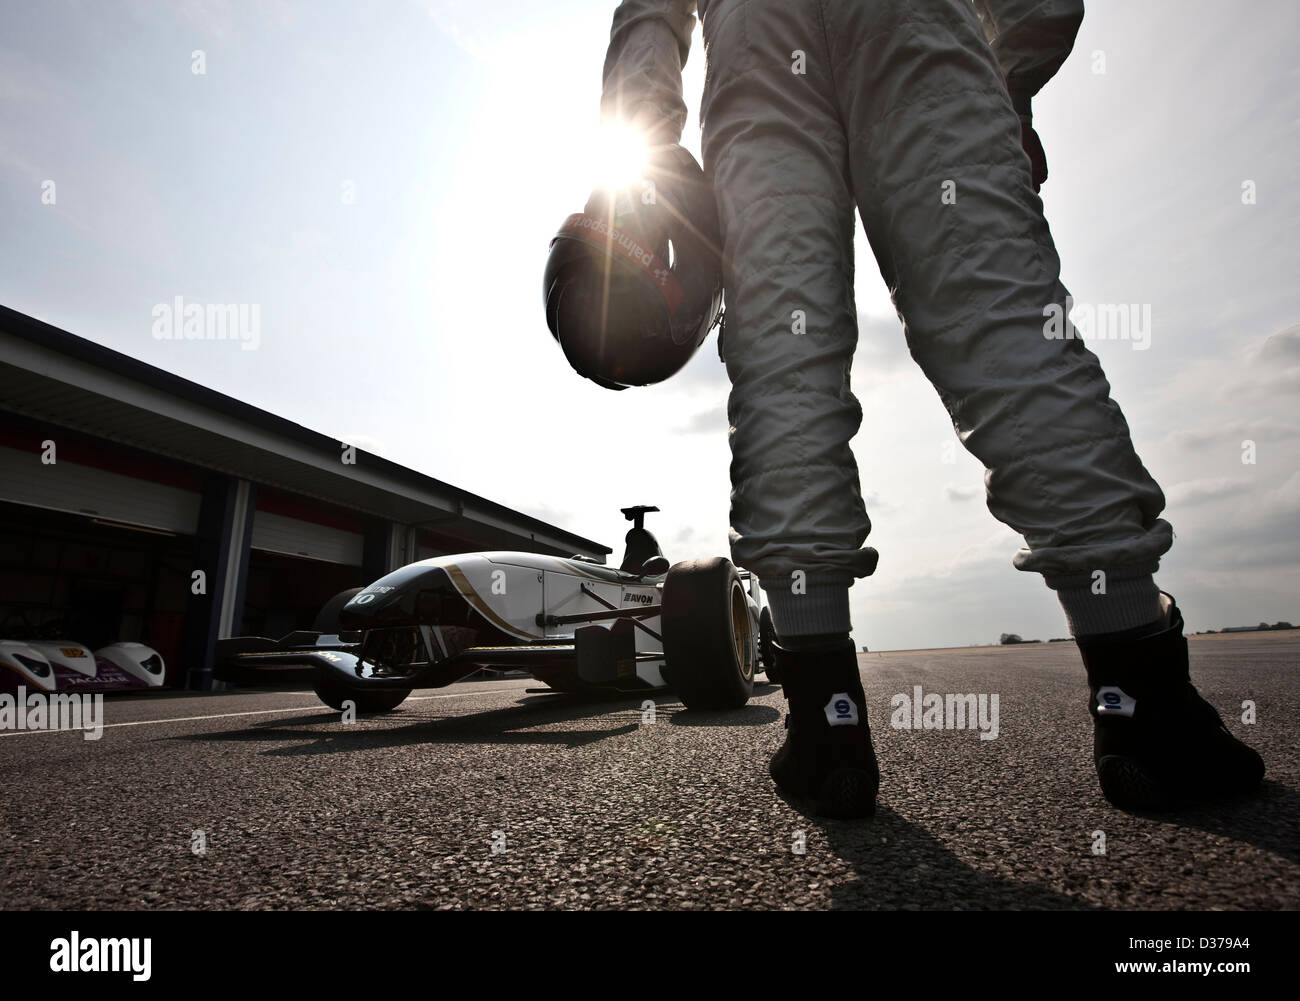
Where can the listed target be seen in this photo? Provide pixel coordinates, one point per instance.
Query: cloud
(882, 347)
(29, 94)
(956, 493)
(971, 598)
(1285, 499)
(558, 516)
(440, 14)
(711, 420)
(993, 550)
(1258, 533)
(1196, 491)
(21, 81)
(1267, 367)
(1262, 429)
(214, 18)
(1284, 347)
(9, 157)
(503, 31)
(875, 503)
(705, 369)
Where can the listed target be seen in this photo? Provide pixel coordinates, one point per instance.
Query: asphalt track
(480, 796)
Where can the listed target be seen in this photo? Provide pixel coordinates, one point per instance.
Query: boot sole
(1126, 784)
(847, 794)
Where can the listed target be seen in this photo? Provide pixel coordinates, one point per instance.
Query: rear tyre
(767, 646)
(708, 635)
(334, 695)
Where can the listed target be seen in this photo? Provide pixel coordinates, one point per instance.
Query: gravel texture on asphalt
(483, 796)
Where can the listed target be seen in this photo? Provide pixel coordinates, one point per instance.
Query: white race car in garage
(574, 624)
(50, 665)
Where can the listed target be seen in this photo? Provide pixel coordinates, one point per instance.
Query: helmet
(633, 284)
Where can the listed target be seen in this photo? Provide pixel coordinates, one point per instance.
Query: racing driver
(918, 113)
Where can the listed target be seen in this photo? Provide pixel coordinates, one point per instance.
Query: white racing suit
(900, 107)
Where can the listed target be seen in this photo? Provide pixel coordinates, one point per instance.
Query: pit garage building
(137, 505)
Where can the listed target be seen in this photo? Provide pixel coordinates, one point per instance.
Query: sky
(382, 181)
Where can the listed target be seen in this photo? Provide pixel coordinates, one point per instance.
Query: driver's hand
(1033, 147)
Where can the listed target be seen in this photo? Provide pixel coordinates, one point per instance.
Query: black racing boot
(1157, 744)
(827, 760)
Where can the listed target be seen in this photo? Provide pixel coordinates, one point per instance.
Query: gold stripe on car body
(467, 592)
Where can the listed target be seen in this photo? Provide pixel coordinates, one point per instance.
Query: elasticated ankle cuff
(816, 605)
(1128, 602)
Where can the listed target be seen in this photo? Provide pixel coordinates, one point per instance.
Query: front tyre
(384, 700)
(708, 635)
(327, 619)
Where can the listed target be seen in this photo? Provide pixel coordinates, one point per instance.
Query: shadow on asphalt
(749, 716)
(1269, 819)
(901, 866)
(490, 726)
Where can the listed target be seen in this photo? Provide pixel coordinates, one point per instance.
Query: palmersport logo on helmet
(580, 221)
(580, 224)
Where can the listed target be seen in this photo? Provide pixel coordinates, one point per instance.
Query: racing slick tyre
(767, 646)
(708, 635)
(334, 695)
(327, 619)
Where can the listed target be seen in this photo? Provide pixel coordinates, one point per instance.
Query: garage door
(98, 493)
(277, 533)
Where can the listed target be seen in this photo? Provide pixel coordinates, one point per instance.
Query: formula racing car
(577, 625)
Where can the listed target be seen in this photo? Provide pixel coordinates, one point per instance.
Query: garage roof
(59, 378)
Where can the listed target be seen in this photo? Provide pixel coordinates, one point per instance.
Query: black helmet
(634, 283)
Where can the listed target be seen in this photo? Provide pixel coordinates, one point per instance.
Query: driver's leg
(775, 149)
(945, 195)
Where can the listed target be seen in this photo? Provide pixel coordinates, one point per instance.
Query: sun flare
(621, 155)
